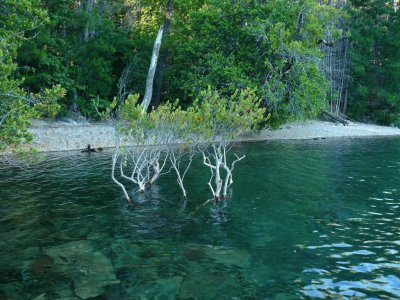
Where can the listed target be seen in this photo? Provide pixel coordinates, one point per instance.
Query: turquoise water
(316, 219)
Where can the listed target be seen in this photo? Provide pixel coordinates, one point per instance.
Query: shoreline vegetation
(52, 136)
(254, 63)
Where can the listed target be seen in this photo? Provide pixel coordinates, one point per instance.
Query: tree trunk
(89, 30)
(160, 77)
(152, 70)
(163, 56)
(300, 20)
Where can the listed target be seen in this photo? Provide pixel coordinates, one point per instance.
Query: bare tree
(115, 157)
(336, 62)
(181, 166)
(123, 83)
(216, 159)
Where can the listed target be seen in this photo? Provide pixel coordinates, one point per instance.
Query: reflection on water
(371, 265)
(306, 220)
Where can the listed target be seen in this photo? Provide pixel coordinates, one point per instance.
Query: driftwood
(336, 118)
(346, 117)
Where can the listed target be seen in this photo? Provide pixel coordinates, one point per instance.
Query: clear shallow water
(316, 219)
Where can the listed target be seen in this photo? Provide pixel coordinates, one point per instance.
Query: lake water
(315, 219)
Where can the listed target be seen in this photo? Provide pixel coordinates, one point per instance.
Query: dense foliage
(18, 20)
(375, 37)
(269, 47)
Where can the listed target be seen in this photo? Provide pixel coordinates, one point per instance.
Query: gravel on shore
(64, 136)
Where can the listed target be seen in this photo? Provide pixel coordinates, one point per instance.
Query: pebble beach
(52, 136)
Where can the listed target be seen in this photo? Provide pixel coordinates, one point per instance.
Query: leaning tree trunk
(163, 56)
(152, 70)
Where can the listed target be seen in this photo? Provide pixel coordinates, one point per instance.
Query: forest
(63, 57)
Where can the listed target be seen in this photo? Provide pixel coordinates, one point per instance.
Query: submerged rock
(166, 287)
(42, 264)
(194, 254)
(90, 270)
(12, 290)
(207, 284)
(19, 259)
(125, 254)
(162, 288)
(126, 275)
(229, 257)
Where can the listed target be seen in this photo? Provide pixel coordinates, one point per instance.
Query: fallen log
(346, 117)
(336, 118)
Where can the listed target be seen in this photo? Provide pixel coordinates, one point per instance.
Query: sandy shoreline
(62, 136)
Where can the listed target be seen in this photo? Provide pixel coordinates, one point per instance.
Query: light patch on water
(385, 219)
(341, 245)
(334, 245)
(380, 259)
(316, 270)
(371, 242)
(387, 192)
(355, 219)
(392, 265)
(358, 252)
(334, 224)
(369, 267)
(311, 292)
(351, 293)
(389, 284)
(373, 198)
(374, 213)
(391, 251)
(317, 247)
(365, 267)
(328, 289)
